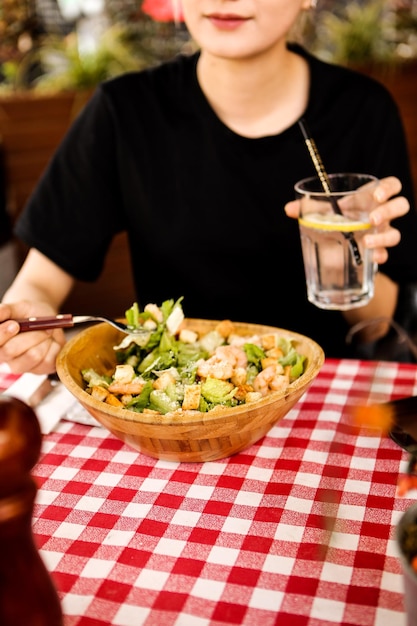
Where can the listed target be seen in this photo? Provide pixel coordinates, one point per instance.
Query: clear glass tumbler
(339, 269)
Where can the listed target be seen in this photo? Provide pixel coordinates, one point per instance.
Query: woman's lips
(227, 22)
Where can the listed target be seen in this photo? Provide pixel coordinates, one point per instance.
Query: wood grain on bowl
(189, 436)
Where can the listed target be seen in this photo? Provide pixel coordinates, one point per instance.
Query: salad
(170, 368)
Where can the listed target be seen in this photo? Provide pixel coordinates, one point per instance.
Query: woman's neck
(256, 97)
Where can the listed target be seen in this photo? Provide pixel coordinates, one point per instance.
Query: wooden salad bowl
(189, 436)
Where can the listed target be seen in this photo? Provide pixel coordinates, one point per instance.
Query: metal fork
(66, 320)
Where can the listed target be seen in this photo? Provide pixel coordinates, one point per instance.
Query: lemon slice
(332, 221)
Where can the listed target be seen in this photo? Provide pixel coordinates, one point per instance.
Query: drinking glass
(339, 269)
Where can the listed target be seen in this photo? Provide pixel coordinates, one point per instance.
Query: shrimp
(215, 368)
(279, 383)
(240, 340)
(233, 354)
(133, 388)
(224, 363)
(270, 378)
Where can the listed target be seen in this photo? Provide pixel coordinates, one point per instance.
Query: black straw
(325, 182)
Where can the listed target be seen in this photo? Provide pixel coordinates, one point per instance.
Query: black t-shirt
(203, 206)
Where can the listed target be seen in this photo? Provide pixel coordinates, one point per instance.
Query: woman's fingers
(390, 210)
(36, 354)
(387, 188)
(292, 208)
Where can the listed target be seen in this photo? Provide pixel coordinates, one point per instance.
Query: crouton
(225, 328)
(124, 373)
(242, 392)
(192, 394)
(253, 396)
(162, 382)
(188, 336)
(268, 361)
(269, 341)
(239, 376)
(277, 353)
(113, 401)
(99, 392)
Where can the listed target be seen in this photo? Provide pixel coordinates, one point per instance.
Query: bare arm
(40, 288)
(383, 304)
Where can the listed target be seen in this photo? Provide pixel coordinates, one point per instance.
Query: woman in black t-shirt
(196, 160)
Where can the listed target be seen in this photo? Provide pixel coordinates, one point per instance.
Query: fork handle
(64, 320)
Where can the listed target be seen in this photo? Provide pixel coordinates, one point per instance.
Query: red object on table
(298, 529)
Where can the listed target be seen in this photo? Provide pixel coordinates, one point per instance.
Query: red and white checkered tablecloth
(298, 530)
(7, 379)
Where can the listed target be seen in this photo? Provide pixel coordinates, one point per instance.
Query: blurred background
(54, 52)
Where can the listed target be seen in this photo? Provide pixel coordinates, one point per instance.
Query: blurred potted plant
(363, 33)
(48, 77)
(103, 42)
(58, 65)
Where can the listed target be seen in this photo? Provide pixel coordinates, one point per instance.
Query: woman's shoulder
(332, 77)
(168, 75)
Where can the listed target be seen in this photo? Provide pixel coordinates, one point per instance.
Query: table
(297, 530)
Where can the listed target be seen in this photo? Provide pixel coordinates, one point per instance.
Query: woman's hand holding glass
(390, 206)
